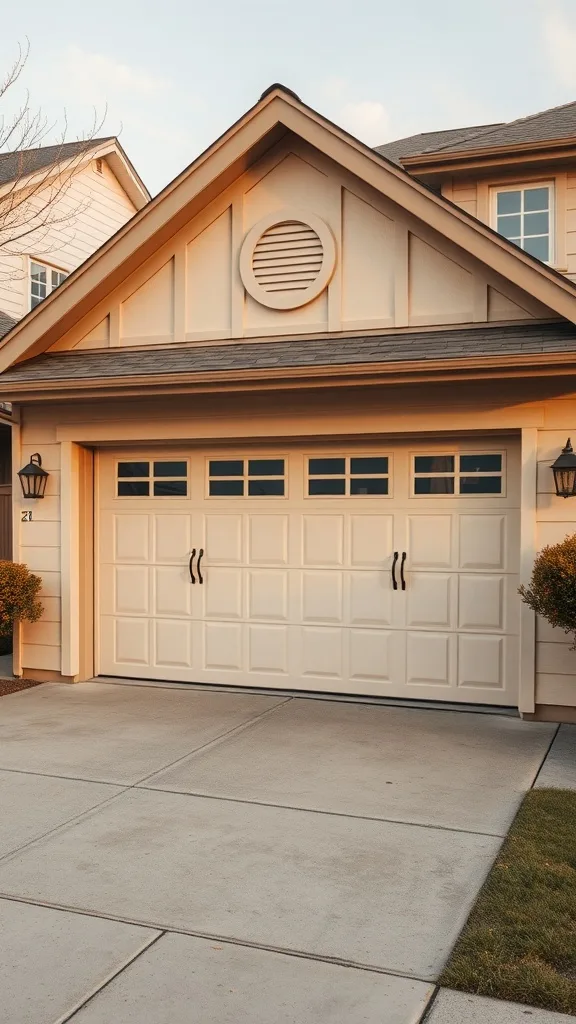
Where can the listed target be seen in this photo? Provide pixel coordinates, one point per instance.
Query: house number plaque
(27, 516)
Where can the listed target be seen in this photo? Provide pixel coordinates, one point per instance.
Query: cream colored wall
(391, 270)
(209, 420)
(91, 209)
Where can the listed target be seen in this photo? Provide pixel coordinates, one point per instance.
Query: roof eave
(447, 159)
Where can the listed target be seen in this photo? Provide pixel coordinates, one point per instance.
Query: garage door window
(252, 478)
(158, 479)
(348, 475)
(472, 474)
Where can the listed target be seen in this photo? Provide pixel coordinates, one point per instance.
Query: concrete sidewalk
(185, 855)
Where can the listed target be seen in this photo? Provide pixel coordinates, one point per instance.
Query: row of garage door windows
(471, 474)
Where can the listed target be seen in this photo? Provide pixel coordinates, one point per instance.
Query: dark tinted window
(226, 467)
(434, 464)
(263, 487)
(480, 485)
(133, 469)
(326, 486)
(266, 467)
(226, 488)
(480, 463)
(133, 488)
(327, 466)
(369, 464)
(434, 485)
(370, 485)
(175, 488)
(170, 469)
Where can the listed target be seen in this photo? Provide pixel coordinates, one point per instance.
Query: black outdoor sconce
(564, 470)
(33, 478)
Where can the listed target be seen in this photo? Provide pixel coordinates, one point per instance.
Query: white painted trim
(70, 558)
(527, 661)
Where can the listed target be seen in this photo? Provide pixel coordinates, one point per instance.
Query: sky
(169, 76)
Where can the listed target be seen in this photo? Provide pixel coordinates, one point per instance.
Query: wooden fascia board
(163, 216)
(547, 148)
(123, 169)
(406, 371)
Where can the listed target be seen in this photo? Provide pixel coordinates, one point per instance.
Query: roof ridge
(509, 124)
(58, 145)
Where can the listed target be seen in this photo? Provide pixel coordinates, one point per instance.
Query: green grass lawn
(520, 940)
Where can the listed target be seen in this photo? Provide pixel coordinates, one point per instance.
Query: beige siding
(91, 209)
(464, 194)
(402, 411)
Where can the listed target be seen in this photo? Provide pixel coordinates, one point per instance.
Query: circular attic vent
(287, 259)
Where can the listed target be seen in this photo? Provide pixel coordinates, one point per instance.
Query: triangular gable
(280, 116)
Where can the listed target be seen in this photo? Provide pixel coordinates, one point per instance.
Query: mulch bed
(520, 940)
(13, 685)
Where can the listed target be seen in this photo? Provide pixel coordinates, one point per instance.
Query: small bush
(19, 590)
(552, 590)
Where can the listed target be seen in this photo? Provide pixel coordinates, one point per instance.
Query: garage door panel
(172, 537)
(130, 589)
(222, 593)
(268, 540)
(371, 540)
(482, 603)
(481, 661)
(268, 649)
(222, 644)
(430, 541)
(431, 600)
(370, 598)
(173, 644)
(322, 596)
(483, 542)
(171, 590)
(132, 535)
(268, 594)
(376, 655)
(430, 659)
(321, 653)
(131, 641)
(223, 538)
(323, 540)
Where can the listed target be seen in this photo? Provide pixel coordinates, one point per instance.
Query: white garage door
(388, 570)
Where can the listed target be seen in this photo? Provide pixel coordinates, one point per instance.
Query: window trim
(245, 476)
(49, 267)
(457, 474)
(522, 186)
(347, 476)
(150, 479)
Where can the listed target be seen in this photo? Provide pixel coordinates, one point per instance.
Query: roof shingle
(28, 161)
(427, 142)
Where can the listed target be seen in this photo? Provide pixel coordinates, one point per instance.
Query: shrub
(19, 590)
(552, 590)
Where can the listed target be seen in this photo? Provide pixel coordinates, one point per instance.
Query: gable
(251, 264)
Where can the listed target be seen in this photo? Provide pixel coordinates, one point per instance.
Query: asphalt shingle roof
(555, 123)
(426, 142)
(28, 161)
(521, 339)
(7, 322)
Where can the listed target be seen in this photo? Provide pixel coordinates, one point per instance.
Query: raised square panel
(322, 652)
(131, 642)
(481, 661)
(172, 539)
(172, 590)
(267, 594)
(429, 599)
(430, 541)
(482, 542)
(222, 593)
(323, 540)
(428, 659)
(481, 604)
(223, 645)
(372, 655)
(268, 540)
(223, 538)
(370, 540)
(322, 596)
(268, 649)
(172, 642)
(131, 589)
(131, 538)
(370, 598)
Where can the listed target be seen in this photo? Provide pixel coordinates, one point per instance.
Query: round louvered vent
(287, 259)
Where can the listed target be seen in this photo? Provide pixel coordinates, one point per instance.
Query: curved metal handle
(402, 570)
(200, 577)
(394, 560)
(190, 566)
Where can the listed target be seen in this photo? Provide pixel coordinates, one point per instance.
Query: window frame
(151, 479)
(50, 269)
(523, 186)
(348, 476)
(456, 475)
(246, 476)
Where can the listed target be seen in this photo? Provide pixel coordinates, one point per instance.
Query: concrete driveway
(187, 856)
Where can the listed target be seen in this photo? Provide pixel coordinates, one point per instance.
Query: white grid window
(468, 474)
(152, 479)
(43, 280)
(347, 475)
(524, 215)
(246, 478)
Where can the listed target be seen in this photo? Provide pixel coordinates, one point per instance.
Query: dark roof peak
(282, 88)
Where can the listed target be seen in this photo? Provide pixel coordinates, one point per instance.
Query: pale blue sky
(175, 74)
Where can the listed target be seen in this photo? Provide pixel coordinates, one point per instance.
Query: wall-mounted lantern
(33, 478)
(564, 470)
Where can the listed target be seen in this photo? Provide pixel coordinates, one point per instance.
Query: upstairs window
(43, 280)
(523, 214)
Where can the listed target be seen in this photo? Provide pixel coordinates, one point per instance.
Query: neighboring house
(80, 193)
(298, 417)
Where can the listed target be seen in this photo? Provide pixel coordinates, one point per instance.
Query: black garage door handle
(190, 566)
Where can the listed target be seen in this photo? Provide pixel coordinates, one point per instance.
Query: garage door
(388, 570)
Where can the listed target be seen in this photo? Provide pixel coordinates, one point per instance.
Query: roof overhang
(490, 157)
(277, 113)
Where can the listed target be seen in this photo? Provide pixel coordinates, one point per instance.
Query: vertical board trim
(528, 496)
